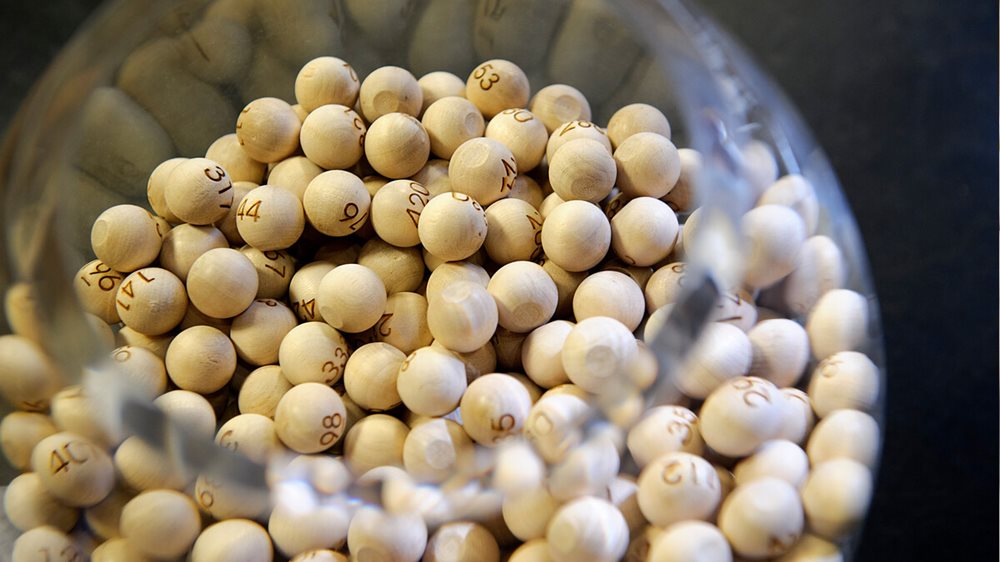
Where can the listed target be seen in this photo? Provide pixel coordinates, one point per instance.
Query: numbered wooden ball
(496, 85)
(294, 174)
(326, 80)
(96, 285)
(199, 191)
(333, 137)
(636, 118)
(275, 269)
(73, 469)
(222, 283)
(494, 407)
(541, 354)
(351, 298)
(396, 212)
(20, 432)
(820, 269)
(185, 243)
(142, 370)
(847, 379)
(574, 130)
(227, 152)
(156, 187)
(262, 390)
(780, 351)
(152, 301)
(684, 195)
(483, 169)
(268, 130)
(452, 226)
(227, 224)
(313, 352)
(431, 381)
(521, 132)
(678, 486)
(664, 429)
(741, 415)
(126, 238)
(525, 296)
(798, 193)
(201, 359)
(576, 236)
(44, 540)
(310, 418)
(404, 322)
(258, 331)
(397, 145)
(270, 218)
(337, 203)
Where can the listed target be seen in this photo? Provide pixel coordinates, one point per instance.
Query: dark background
(903, 97)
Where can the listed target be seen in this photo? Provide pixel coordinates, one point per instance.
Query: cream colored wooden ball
(439, 84)
(587, 529)
(258, 331)
(559, 103)
(72, 468)
(297, 528)
(535, 550)
(775, 235)
(721, 353)
(199, 191)
(400, 269)
(326, 80)
(375, 440)
(664, 429)
(684, 195)
(333, 137)
(126, 238)
(541, 354)
(648, 165)
(73, 410)
(337, 203)
(275, 269)
(262, 391)
(836, 497)
(431, 381)
(838, 322)
(233, 540)
(161, 523)
(690, 540)
(462, 541)
(390, 89)
(596, 352)
(142, 466)
(678, 486)
(380, 535)
(528, 512)
(221, 283)
(451, 121)
(227, 224)
(494, 408)
(436, 449)
(521, 132)
(270, 218)
(453, 272)
(20, 432)
(484, 169)
(741, 415)
(820, 269)
(566, 284)
(812, 548)
(152, 301)
(28, 377)
(227, 152)
(404, 323)
(185, 243)
(268, 130)
(45, 540)
(452, 226)
(582, 169)
(780, 351)
(587, 470)
(463, 316)
(351, 298)
(156, 188)
(96, 285)
(303, 288)
(227, 500)
(777, 458)
(397, 145)
(201, 359)
(496, 85)
(796, 192)
(189, 409)
(310, 417)
(574, 130)
(252, 435)
(293, 174)
(846, 434)
(370, 376)
(644, 231)
(576, 235)
(610, 294)
(313, 352)
(320, 555)
(395, 212)
(797, 417)
(549, 203)
(847, 379)
(553, 425)
(636, 118)
(525, 296)
(29, 505)
(762, 518)
(527, 189)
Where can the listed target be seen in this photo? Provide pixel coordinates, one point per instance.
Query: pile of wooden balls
(438, 285)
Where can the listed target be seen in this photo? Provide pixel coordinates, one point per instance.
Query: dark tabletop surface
(903, 97)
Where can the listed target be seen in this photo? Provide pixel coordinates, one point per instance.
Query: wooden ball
(494, 407)
(452, 226)
(780, 351)
(201, 359)
(161, 523)
(496, 85)
(351, 298)
(304, 287)
(576, 235)
(574, 130)
(636, 118)
(152, 301)
(434, 176)
(463, 316)
(664, 429)
(337, 203)
(549, 203)
(320, 555)
(233, 540)
(333, 137)
(310, 418)
(28, 505)
(611, 294)
(313, 352)
(836, 497)
(73, 469)
(431, 381)
(126, 238)
(404, 323)
(28, 377)
(436, 449)
(522, 133)
(72, 410)
(375, 440)
(221, 283)
(227, 224)
(96, 285)
(596, 352)
(293, 174)
(20, 432)
(199, 191)
(648, 165)
(252, 435)
(847, 379)
(587, 529)
(229, 500)
(142, 466)
(741, 415)
(798, 193)
(535, 550)
(258, 331)
(566, 284)
(268, 130)
(559, 103)
(762, 519)
(820, 269)
(270, 218)
(390, 89)
(690, 540)
(143, 370)
(227, 152)
(774, 459)
(439, 84)
(397, 145)
(684, 194)
(156, 188)
(396, 211)
(275, 269)
(527, 189)
(838, 322)
(812, 548)
(483, 169)
(721, 353)
(185, 243)
(644, 231)
(797, 417)
(553, 425)
(262, 390)
(846, 434)
(380, 535)
(189, 409)
(587, 470)
(678, 486)
(370, 376)
(297, 528)
(462, 541)
(582, 169)
(450, 273)
(775, 235)
(525, 296)
(326, 80)
(451, 121)
(541, 354)
(528, 513)
(45, 540)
